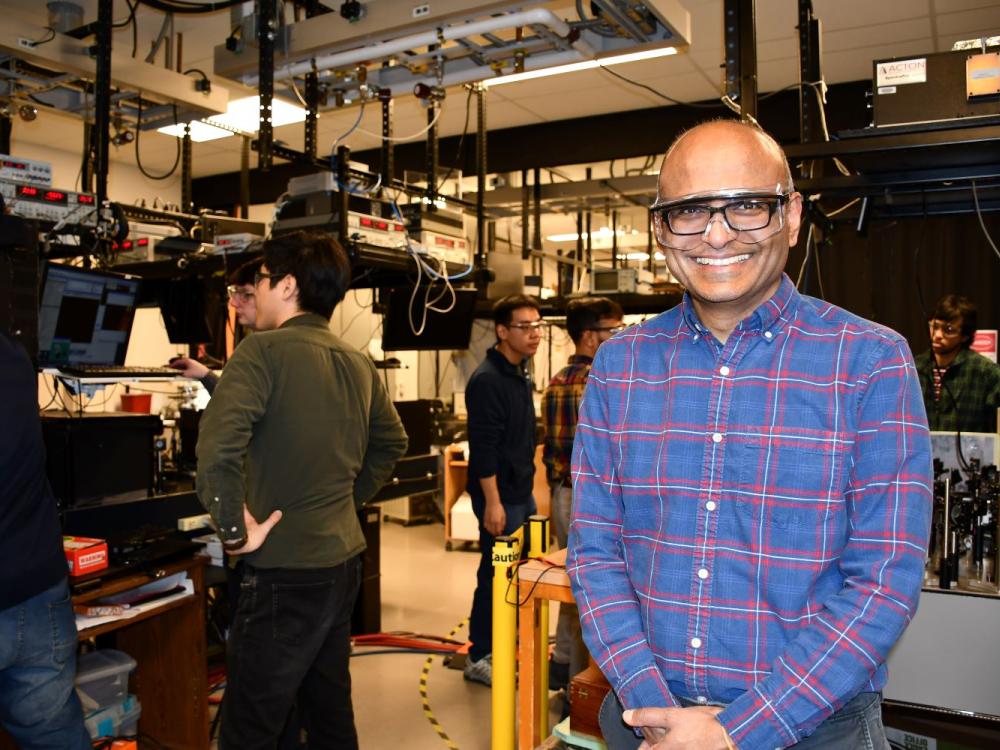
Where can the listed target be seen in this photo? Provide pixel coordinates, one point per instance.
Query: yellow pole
(538, 548)
(506, 552)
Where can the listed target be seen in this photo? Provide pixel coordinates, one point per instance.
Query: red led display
(26, 191)
(87, 200)
(55, 196)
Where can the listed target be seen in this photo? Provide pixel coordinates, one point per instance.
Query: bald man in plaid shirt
(752, 483)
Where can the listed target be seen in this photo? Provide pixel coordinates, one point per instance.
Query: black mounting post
(741, 55)
(525, 215)
(312, 96)
(810, 72)
(387, 168)
(480, 176)
(87, 166)
(186, 203)
(312, 118)
(102, 99)
(5, 131)
(343, 177)
(245, 178)
(614, 239)
(432, 151)
(266, 30)
(536, 235)
(575, 271)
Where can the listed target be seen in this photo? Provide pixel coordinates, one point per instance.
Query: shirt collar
(767, 320)
(580, 359)
(306, 319)
(504, 365)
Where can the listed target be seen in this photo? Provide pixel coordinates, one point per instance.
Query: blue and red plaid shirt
(750, 519)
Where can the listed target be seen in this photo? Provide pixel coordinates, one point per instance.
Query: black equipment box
(100, 457)
(930, 89)
(19, 282)
(419, 419)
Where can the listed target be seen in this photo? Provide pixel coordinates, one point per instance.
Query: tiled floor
(425, 589)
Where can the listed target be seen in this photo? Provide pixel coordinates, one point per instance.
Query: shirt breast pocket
(791, 484)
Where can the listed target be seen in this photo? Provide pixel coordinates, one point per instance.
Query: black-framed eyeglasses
(235, 292)
(609, 329)
(747, 213)
(534, 327)
(260, 276)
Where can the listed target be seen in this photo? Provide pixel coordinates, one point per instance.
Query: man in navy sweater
(38, 705)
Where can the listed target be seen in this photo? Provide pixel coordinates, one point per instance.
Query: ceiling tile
(849, 14)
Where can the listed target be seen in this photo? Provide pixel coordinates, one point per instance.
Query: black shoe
(558, 675)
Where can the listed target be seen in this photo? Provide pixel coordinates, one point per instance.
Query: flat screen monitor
(85, 316)
(442, 331)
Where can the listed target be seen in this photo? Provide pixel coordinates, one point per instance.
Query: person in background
(241, 297)
(961, 387)
(501, 412)
(39, 706)
(590, 321)
(752, 483)
(299, 434)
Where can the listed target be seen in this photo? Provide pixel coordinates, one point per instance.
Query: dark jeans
(856, 726)
(38, 705)
(481, 618)
(291, 644)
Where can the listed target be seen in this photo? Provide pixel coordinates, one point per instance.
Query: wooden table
(538, 581)
(168, 644)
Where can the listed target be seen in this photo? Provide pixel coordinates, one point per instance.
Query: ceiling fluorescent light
(584, 65)
(244, 114)
(200, 131)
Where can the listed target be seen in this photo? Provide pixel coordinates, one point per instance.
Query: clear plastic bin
(119, 720)
(102, 678)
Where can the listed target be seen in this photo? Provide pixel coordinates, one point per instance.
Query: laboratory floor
(425, 589)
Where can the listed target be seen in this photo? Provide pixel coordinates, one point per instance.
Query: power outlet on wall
(419, 11)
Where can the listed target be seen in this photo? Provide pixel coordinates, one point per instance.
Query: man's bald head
(722, 155)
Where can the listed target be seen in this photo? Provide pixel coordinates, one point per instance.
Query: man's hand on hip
(694, 728)
(256, 532)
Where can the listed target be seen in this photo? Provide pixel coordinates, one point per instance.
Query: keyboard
(117, 371)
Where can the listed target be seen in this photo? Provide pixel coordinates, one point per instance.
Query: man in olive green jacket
(298, 434)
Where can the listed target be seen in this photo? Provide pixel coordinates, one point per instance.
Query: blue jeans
(38, 703)
(856, 726)
(290, 645)
(481, 617)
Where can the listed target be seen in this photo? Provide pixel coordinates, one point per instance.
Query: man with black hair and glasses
(752, 483)
(501, 414)
(590, 321)
(961, 387)
(299, 433)
(240, 293)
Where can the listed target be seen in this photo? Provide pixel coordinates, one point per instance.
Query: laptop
(85, 321)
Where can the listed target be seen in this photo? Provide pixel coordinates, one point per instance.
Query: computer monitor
(85, 316)
(442, 331)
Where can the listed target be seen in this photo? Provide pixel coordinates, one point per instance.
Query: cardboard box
(85, 555)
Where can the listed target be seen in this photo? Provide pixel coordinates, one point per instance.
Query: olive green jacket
(301, 423)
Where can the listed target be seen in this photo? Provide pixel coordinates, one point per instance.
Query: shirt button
(216, 499)
(696, 337)
(696, 643)
(703, 574)
(710, 505)
(724, 370)
(701, 699)
(768, 334)
(233, 529)
(717, 437)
